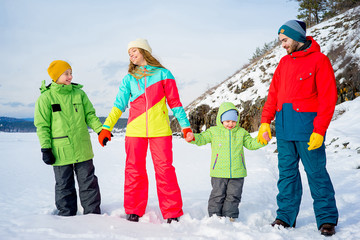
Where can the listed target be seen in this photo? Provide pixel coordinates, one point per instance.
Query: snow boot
(169, 220)
(279, 222)
(327, 229)
(132, 217)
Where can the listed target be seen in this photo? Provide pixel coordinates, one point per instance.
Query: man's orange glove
(316, 141)
(188, 134)
(104, 137)
(264, 134)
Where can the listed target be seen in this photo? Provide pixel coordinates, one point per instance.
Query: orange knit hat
(57, 68)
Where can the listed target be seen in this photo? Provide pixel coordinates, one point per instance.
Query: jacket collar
(314, 47)
(60, 88)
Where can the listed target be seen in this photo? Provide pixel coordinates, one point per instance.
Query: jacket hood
(226, 106)
(59, 87)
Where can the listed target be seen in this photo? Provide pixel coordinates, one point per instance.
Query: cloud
(110, 69)
(14, 104)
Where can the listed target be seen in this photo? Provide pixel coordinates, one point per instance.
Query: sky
(201, 42)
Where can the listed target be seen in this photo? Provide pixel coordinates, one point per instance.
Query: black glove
(48, 156)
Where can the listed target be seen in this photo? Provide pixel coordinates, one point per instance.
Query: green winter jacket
(227, 152)
(62, 114)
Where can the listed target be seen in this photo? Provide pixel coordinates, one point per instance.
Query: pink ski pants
(136, 179)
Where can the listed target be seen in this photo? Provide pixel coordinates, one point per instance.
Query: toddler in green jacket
(227, 168)
(63, 113)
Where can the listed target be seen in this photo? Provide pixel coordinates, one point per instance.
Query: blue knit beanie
(295, 30)
(231, 115)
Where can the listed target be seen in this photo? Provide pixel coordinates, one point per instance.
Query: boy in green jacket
(227, 168)
(63, 113)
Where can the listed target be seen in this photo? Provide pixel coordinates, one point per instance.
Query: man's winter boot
(279, 222)
(327, 229)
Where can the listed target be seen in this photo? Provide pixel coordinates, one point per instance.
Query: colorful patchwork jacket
(148, 116)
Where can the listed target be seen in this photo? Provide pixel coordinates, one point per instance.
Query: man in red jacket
(302, 96)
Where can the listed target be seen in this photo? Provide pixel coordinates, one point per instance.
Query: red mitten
(104, 137)
(188, 134)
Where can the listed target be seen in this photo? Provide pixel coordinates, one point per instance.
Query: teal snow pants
(290, 187)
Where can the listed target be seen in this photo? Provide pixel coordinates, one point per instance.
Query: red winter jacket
(306, 80)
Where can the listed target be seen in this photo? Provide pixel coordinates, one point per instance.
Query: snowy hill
(27, 192)
(339, 39)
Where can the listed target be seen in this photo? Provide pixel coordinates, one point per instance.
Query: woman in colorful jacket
(63, 113)
(148, 87)
(227, 167)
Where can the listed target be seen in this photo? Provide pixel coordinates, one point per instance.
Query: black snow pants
(65, 192)
(225, 197)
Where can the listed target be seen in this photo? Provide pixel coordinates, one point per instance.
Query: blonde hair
(137, 72)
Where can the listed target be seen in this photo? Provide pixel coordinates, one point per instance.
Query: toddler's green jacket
(227, 146)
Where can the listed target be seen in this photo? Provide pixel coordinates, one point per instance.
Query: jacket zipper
(146, 107)
(242, 158)
(75, 107)
(230, 151)
(217, 155)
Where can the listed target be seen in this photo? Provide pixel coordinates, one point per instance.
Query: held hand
(48, 156)
(104, 137)
(188, 134)
(316, 141)
(190, 137)
(264, 134)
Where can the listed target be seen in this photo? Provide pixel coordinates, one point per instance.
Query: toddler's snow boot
(232, 219)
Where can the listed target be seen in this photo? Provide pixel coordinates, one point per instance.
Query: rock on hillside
(339, 39)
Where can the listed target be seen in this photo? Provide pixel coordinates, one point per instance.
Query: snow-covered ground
(27, 192)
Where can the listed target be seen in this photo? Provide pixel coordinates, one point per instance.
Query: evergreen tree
(335, 7)
(314, 11)
(310, 11)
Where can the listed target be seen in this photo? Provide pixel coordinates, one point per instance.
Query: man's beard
(293, 47)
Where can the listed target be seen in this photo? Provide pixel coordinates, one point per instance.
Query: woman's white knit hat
(140, 43)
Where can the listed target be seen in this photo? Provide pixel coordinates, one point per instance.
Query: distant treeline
(315, 11)
(27, 125)
(16, 125)
(311, 12)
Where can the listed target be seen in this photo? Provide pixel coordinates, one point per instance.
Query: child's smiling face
(65, 78)
(229, 124)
